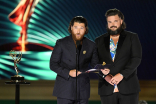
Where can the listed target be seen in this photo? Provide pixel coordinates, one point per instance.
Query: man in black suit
(121, 49)
(63, 62)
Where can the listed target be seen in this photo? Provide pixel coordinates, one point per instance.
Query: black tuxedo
(127, 59)
(63, 60)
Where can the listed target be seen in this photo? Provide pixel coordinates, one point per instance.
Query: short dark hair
(79, 19)
(112, 12)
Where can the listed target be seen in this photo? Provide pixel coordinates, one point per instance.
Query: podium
(17, 89)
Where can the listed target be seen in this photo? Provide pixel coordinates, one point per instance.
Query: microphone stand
(76, 74)
(77, 44)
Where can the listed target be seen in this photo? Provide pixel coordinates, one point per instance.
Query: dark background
(50, 22)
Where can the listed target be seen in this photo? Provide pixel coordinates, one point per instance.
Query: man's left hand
(105, 71)
(116, 79)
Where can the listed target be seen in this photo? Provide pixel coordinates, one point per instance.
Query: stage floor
(50, 102)
(42, 90)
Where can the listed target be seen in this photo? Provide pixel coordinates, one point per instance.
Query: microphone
(78, 48)
(78, 43)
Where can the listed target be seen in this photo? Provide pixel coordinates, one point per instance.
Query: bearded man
(121, 49)
(63, 62)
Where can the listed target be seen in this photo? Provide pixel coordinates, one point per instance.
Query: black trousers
(67, 101)
(118, 98)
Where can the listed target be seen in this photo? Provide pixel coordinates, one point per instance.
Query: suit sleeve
(55, 61)
(95, 59)
(135, 60)
(100, 74)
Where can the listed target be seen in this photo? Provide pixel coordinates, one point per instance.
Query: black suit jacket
(63, 59)
(127, 59)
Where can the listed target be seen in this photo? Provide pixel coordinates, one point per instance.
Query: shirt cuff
(121, 74)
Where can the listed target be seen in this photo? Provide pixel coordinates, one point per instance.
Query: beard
(75, 38)
(115, 32)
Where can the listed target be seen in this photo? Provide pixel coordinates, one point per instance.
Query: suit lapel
(84, 49)
(107, 43)
(119, 46)
(120, 43)
(71, 47)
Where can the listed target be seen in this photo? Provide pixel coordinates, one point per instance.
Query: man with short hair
(63, 62)
(121, 49)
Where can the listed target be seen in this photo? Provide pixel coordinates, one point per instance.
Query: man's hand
(72, 73)
(116, 79)
(108, 79)
(105, 71)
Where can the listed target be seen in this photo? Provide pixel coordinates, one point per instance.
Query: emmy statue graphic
(21, 16)
(13, 54)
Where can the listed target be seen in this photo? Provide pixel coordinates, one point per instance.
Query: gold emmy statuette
(13, 54)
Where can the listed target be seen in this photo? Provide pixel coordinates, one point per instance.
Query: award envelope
(98, 68)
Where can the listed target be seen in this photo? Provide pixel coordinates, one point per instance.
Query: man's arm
(95, 59)
(135, 60)
(55, 61)
(103, 73)
(100, 74)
